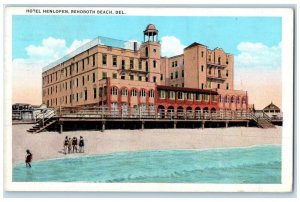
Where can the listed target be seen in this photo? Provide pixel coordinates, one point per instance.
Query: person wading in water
(28, 158)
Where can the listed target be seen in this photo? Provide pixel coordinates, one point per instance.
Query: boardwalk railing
(140, 113)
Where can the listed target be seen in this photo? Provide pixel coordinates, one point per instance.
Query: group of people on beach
(71, 145)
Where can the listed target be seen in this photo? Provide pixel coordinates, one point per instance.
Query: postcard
(148, 99)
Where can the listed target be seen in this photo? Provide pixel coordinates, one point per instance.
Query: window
(123, 64)
(88, 60)
(123, 77)
(209, 58)
(82, 64)
(143, 93)
(114, 76)
(154, 63)
(154, 50)
(226, 61)
(115, 61)
(189, 96)
(151, 93)
(146, 51)
(227, 73)
(132, 77)
(162, 94)
(95, 93)
(85, 95)
(219, 60)
(100, 91)
(209, 71)
(154, 79)
(198, 96)
(221, 99)
(77, 82)
(76, 67)
(114, 91)
(182, 73)
(172, 95)
(104, 75)
(180, 95)
(239, 100)
(218, 85)
(133, 92)
(171, 75)
(202, 86)
(94, 77)
(202, 54)
(244, 100)
(104, 58)
(227, 99)
(140, 64)
(206, 97)
(172, 64)
(161, 77)
(214, 98)
(176, 74)
(233, 99)
(94, 59)
(83, 80)
(227, 86)
(208, 84)
(124, 92)
(140, 78)
(131, 63)
(76, 97)
(201, 68)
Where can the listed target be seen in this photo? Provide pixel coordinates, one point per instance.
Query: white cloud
(27, 72)
(258, 55)
(171, 46)
(129, 44)
(258, 70)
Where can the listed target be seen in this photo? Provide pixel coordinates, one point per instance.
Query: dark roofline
(194, 44)
(190, 90)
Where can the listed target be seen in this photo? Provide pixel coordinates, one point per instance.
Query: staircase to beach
(43, 120)
(262, 120)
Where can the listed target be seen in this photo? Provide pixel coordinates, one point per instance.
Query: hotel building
(132, 77)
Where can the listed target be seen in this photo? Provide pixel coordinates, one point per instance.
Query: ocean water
(258, 164)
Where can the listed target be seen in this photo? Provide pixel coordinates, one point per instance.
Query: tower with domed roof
(150, 52)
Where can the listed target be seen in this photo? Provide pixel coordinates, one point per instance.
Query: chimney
(135, 45)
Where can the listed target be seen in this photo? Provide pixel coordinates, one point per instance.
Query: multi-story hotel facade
(136, 77)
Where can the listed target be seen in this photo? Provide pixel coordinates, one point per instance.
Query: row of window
(181, 96)
(72, 83)
(134, 92)
(175, 75)
(123, 62)
(198, 96)
(69, 70)
(219, 59)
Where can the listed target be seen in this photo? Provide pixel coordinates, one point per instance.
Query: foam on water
(258, 164)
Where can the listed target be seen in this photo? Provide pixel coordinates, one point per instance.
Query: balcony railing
(142, 113)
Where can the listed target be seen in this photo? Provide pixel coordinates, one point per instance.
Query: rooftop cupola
(151, 33)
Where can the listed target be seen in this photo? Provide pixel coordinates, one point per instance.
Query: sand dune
(48, 145)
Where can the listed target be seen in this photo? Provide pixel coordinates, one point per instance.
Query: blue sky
(225, 32)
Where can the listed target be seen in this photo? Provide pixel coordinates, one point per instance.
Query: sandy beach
(49, 145)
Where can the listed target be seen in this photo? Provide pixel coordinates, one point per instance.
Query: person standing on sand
(28, 158)
(81, 144)
(69, 145)
(74, 144)
(66, 144)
